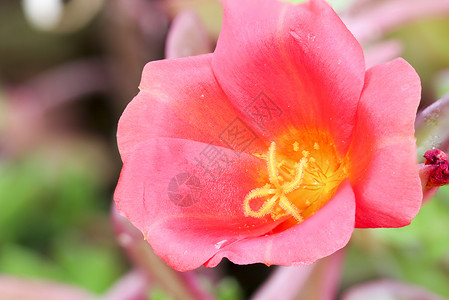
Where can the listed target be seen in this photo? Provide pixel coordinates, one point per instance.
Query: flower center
(301, 179)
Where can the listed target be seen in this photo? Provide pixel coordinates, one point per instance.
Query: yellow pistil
(300, 181)
(276, 190)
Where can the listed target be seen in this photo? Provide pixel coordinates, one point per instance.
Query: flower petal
(179, 98)
(318, 236)
(286, 65)
(384, 172)
(171, 192)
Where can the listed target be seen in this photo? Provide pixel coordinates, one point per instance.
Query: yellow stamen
(256, 193)
(277, 190)
(294, 184)
(296, 146)
(300, 180)
(265, 209)
(288, 206)
(272, 170)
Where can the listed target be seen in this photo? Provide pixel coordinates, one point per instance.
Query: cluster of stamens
(284, 179)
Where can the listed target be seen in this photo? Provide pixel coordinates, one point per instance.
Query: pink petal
(186, 232)
(318, 236)
(384, 172)
(298, 60)
(181, 99)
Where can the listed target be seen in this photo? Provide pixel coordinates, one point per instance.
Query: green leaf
(20, 261)
(229, 289)
(92, 266)
(158, 294)
(416, 253)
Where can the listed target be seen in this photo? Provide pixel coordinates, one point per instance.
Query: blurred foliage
(442, 84)
(338, 5)
(229, 289)
(52, 224)
(418, 253)
(18, 37)
(158, 294)
(226, 289)
(426, 45)
(55, 193)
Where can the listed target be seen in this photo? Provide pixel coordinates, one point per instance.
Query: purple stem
(331, 275)
(38, 289)
(320, 279)
(187, 37)
(29, 102)
(63, 84)
(389, 289)
(431, 127)
(285, 283)
(132, 286)
(432, 111)
(180, 285)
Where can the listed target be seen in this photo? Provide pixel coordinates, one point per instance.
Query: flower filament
(296, 188)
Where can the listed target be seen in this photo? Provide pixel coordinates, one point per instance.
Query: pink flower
(273, 148)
